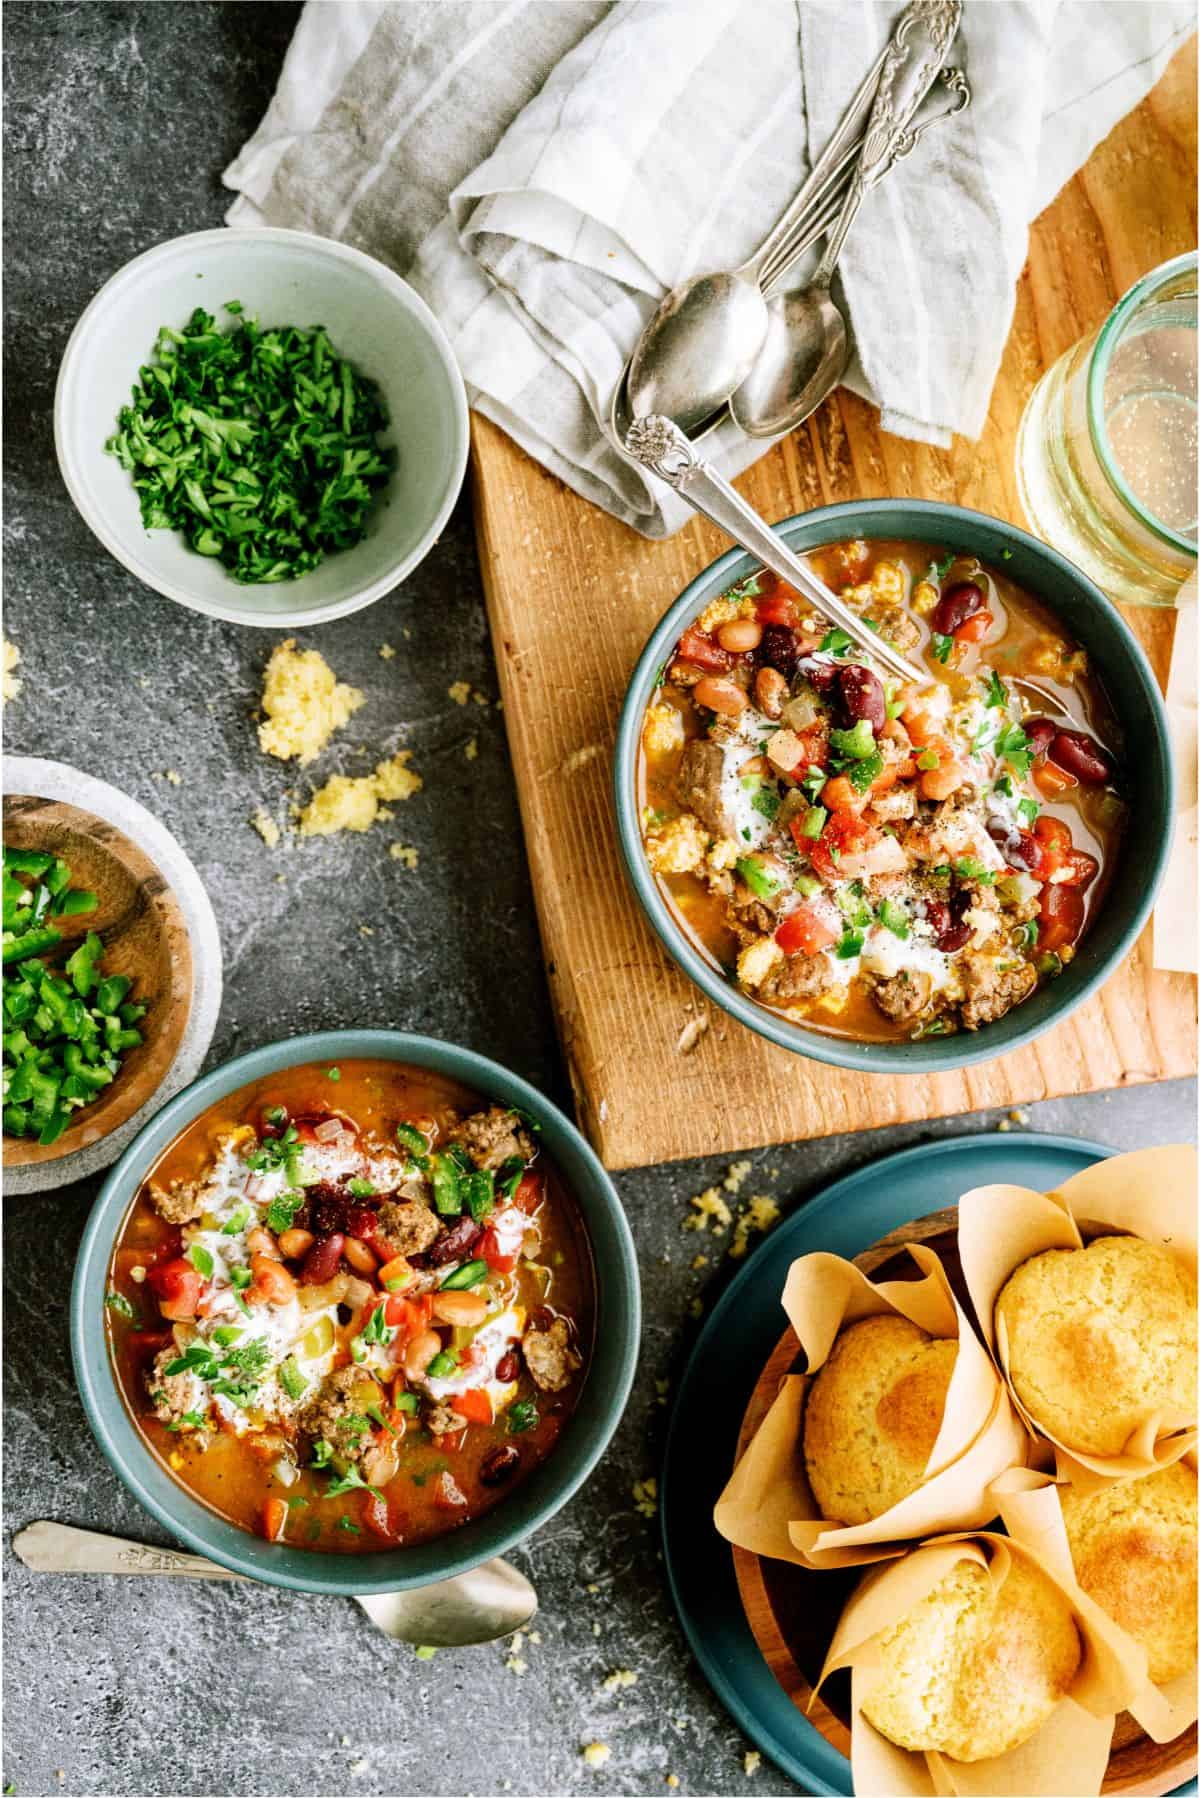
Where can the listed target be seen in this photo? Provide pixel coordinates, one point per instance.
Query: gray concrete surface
(119, 119)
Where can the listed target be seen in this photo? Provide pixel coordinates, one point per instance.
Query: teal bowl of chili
(548, 1485)
(1146, 774)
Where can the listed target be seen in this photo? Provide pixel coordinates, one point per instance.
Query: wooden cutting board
(572, 596)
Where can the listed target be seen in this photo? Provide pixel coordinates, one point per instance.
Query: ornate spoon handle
(914, 56)
(60, 1548)
(659, 445)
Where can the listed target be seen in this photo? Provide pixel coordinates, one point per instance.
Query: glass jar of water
(1106, 453)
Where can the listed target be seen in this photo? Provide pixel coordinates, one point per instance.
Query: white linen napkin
(543, 170)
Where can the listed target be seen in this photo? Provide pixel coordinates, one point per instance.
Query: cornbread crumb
(662, 730)
(515, 1664)
(10, 683)
(691, 1033)
(695, 1307)
(404, 853)
(672, 1780)
(706, 1206)
(757, 959)
(304, 704)
(471, 748)
(760, 1215)
(596, 1754)
(266, 827)
(173, 776)
(351, 802)
(699, 1260)
(579, 758)
(592, 1588)
(645, 1497)
(424, 1654)
(619, 1679)
(460, 692)
(737, 1175)
(677, 847)
(386, 651)
(751, 1762)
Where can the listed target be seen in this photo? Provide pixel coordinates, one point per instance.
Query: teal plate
(845, 1219)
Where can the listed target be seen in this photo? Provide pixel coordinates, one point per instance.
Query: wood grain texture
(792, 1611)
(145, 937)
(573, 595)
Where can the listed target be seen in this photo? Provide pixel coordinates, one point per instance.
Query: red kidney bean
(862, 695)
(321, 1262)
(1041, 733)
(779, 649)
(1081, 756)
(1020, 848)
(453, 1245)
(957, 604)
(949, 930)
(821, 674)
(508, 1367)
(499, 1464)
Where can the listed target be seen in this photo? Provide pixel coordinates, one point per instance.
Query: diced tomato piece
(395, 1272)
(803, 932)
(447, 1494)
(451, 1442)
(844, 831)
(840, 796)
(781, 604)
(814, 742)
(698, 647)
(1060, 917)
(1055, 839)
(1051, 780)
(1080, 869)
(409, 1316)
(488, 1249)
(381, 1520)
(529, 1193)
(274, 1518)
(475, 1405)
(975, 628)
(177, 1287)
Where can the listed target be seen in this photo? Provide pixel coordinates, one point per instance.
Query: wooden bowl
(145, 937)
(792, 1611)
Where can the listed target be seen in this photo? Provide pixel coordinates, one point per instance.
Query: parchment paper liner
(1067, 1757)
(1150, 1193)
(1029, 1503)
(768, 1506)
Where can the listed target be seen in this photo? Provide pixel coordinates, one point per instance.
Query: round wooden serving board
(792, 1611)
(145, 937)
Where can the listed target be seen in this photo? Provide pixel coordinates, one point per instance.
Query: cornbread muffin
(1134, 1549)
(873, 1415)
(974, 1671)
(1098, 1338)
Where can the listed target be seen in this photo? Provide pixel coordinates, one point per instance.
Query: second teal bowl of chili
(585, 1434)
(1146, 776)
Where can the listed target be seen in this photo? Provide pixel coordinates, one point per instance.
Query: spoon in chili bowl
(658, 444)
(482, 1605)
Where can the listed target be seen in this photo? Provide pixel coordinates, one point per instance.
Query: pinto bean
(459, 1307)
(862, 695)
(770, 690)
(359, 1256)
(499, 1464)
(740, 635)
(720, 695)
(295, 1243)
(957, 604)
(1081, 756)
(420, 1353)
(272, 1283)
(321, 1262)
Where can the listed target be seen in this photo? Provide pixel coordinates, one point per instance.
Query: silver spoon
(659, 445)
(480, 1606)
(702, 340)
(805, 348)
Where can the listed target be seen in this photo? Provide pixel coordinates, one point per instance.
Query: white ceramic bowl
(281, 277)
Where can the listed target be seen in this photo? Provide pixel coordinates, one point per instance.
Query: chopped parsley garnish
(660, 679)
(836, 642)
(1014, 746)
(939, 570)
(997, 692)
(936, 1027)
(509, 1175)
(750, 588)
(1003, 786)
(273, 1152)
(322, 1453)
(116, 1301)
(260, 446)
(850, 945)
(344, 1523)
(1029, 809)
(333, 1073)
(376, 1329)
(941, 646)
(522, 1416)
(236, 1375)
(351, 1481)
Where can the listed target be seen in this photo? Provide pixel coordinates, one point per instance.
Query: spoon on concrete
(704, 338)
(806, 347)
(480, 1606)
